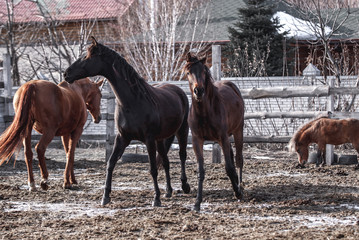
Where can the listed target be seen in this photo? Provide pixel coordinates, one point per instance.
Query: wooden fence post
(216, 74)
(329, 150)
(110, 122)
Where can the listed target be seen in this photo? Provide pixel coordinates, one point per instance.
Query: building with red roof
(67, 15)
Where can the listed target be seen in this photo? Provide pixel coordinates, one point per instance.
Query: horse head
(198, 76)
(93, 100)
(88, 65)
(91, 94)
(301, 150)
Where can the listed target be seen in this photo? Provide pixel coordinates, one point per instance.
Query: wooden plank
(285, 92)
(297, 114)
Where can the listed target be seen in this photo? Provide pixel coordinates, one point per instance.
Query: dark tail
(16, 132)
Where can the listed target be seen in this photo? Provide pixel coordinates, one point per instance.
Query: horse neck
(82, 89)
(306, 137)
(121, 79)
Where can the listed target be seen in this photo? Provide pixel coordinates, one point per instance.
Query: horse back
(172, 106)
(52, 107)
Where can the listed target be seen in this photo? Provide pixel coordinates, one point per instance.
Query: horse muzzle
(98, 119)
(198, 93)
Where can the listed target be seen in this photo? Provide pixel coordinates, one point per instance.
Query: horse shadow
(323, 198)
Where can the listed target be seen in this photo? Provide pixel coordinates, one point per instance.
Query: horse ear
(189, 56)
(204, 60)
(101, 82)
(93, 39)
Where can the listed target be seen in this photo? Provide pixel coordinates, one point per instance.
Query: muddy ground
(280, 202)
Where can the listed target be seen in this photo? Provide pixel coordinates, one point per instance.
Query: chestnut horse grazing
(52, 110)
(324, 131)
(152, 115)
(217, 112)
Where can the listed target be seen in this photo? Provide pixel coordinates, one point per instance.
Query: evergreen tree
(255, 41)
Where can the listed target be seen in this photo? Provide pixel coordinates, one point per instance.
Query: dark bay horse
(322, 131)
(217, 112)
(52, 110)
(152, 115)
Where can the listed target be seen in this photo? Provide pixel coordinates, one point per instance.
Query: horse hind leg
(162, 151)
(167, 145)
(28, 160)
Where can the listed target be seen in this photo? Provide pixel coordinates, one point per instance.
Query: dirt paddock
(280, 202)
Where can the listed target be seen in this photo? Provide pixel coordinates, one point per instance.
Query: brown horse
(152, 115)
(322, 131)
(52, 110)
(217, 112)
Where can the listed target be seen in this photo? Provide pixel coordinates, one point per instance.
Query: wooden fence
(298, 87)
(259, 93)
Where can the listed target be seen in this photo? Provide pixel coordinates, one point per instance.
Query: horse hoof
(156, 203)
(67, 186)
(74, 182)
(196, 208)
(168, 195)
(32, 187)
(105, 200)
(186, 188)
(300, 166)
(44, 185)
(239, 194)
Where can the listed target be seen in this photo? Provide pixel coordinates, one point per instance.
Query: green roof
(224, 14)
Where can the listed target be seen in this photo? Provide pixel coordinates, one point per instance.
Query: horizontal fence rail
(251, 93)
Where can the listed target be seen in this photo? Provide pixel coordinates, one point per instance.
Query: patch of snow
(298, 28)
(73, 209)
(263, 158)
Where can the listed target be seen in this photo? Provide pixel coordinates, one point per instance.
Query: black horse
(152, 115)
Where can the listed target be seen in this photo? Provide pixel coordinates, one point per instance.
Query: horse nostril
(198, 91)
(195, 90)
(98, 119)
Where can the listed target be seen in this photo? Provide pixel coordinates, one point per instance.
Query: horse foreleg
(28, 160)
(230, 169)
(69, 175)
(166, 165)
(320, 155)
(198, 150)
(320, 158)
(117, 151)
(182, 137)
(151, 149)
(40, 149)
(65, 142)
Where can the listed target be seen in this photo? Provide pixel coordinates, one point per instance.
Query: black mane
(124, 70)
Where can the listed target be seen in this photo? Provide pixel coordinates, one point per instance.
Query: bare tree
(155, 34)
(53, 52)
(14, 37)
(324, 23)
